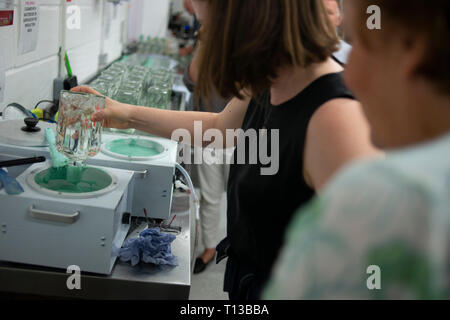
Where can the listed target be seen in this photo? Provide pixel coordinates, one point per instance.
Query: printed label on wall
(29, 26)
(6, 13)
(6, 18)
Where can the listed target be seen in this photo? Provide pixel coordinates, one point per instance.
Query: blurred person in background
(188, 6)
(381, 230)
(212, 177)
(335, 12)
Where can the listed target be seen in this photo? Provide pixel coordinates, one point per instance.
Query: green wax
(133, 148)
(75, 180)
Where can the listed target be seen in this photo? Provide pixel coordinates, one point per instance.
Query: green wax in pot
(133, 148)
(70, 179)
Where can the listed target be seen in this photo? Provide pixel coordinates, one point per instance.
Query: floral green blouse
(381, 230)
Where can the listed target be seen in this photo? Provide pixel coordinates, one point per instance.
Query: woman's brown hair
(429, 19)
(245, 42)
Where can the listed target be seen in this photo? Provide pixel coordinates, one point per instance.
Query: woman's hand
(115, 115)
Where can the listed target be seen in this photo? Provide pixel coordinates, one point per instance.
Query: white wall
(178, 5)
(149, 18)
(135, 20)
(29, 77)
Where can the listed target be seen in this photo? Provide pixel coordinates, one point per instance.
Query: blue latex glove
(12, 187)
(152, 246)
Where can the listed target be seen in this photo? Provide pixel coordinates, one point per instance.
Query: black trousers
(242, 281)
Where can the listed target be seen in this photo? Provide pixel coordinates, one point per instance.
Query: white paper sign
(2, 77)
(29, 26)
(6, 4)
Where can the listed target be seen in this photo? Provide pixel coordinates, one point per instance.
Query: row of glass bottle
(167, 47)
(136, 85)
(153, 46)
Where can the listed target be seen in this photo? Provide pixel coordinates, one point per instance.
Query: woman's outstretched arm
(163, 123)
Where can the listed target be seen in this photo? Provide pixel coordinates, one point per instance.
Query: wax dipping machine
(152, 160)
(56, 224)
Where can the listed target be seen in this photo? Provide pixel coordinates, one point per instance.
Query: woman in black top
(275, 58)
(258, 213)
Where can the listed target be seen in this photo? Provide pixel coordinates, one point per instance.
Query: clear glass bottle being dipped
(79, 138)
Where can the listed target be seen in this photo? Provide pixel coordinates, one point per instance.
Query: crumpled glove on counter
(152, 246)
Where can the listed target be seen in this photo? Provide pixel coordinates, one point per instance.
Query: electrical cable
(44, 101)
(192, 189)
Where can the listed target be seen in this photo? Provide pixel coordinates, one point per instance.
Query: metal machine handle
(142, 174)
(53, 216)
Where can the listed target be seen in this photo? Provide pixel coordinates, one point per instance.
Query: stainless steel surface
(142, 282)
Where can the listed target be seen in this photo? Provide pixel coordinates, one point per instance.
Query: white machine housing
(153, 178)
(49, 231)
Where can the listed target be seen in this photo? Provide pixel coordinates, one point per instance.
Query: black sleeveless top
(261, 207)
